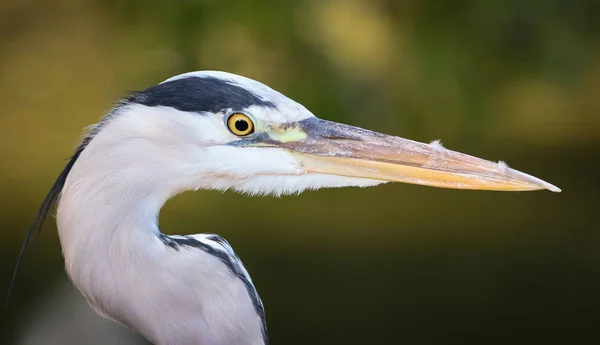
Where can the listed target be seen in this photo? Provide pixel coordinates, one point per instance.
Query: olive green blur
(510, 80)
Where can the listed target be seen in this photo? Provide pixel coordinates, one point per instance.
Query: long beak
(327, 147)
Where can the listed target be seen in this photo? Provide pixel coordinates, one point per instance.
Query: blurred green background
(512, 80)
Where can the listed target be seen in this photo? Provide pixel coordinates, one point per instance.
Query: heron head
(217, 130)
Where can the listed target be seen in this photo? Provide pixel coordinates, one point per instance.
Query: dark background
(512, 80)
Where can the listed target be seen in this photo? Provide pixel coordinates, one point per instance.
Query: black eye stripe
(199, 94)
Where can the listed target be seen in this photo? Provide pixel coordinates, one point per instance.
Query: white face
(287, 151)
(202, 152)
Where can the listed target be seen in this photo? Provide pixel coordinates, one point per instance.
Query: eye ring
(240, 124)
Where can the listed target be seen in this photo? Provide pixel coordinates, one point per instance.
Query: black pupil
(241, 125)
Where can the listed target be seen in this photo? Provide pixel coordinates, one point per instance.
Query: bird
(220, 131)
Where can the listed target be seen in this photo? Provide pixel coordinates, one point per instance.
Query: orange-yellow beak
(327, 147)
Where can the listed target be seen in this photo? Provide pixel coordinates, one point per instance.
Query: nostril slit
(340, 137)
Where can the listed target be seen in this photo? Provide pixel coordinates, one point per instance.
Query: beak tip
(552, 188)
(534, 182)
(545, 185)
(541, 184)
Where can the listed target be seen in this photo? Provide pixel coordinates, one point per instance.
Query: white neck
(120, 181)
(107, 218)
(107, 222)
(99, 214)
(110, 200)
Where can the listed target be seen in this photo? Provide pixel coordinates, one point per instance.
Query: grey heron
(215, 130)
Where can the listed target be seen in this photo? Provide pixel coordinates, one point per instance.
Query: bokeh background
(509, 79)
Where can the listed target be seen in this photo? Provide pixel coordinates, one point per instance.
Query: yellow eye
(240, 124)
